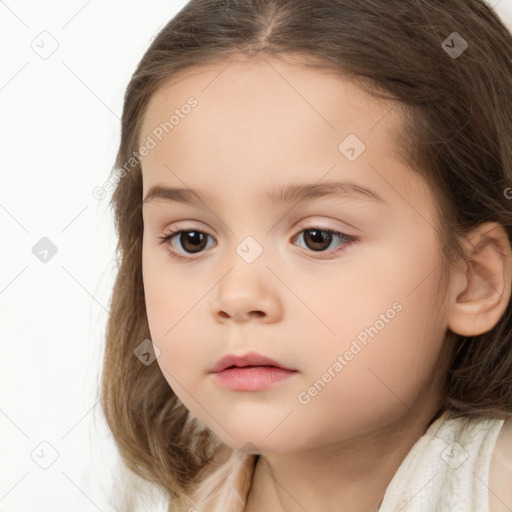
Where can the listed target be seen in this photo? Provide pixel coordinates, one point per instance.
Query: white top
(447, 469)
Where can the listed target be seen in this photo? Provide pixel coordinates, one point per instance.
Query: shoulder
(500, 472)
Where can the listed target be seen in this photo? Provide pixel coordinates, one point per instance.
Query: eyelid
(312, 224)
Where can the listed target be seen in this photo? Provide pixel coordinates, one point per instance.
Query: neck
(354, 473)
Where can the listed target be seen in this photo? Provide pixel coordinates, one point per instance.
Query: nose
(247, 292)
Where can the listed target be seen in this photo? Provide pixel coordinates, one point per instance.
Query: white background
(59, 132)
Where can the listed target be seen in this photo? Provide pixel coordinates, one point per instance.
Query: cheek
(382, 326)
(379, 295)
(164, 294)
(174, 302)
(381, 382)
(162, 307)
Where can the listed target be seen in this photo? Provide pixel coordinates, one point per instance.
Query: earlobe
(483, 285)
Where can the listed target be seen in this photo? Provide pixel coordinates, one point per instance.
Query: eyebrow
(284, 194)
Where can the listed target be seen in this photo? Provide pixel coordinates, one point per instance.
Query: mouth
(250, 372)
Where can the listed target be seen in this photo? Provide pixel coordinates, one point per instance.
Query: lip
(248, 359)
(251, 378)
(249, 372)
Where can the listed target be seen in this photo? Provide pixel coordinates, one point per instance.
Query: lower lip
(252, 378)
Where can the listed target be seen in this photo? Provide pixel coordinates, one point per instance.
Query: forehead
(288, 89)
(269, 122)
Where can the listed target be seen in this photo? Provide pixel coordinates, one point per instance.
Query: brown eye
(319, 239)
(191, 241)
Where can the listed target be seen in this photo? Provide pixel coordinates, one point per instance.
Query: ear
(483, 285)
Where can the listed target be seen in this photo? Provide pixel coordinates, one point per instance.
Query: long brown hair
(455, 95)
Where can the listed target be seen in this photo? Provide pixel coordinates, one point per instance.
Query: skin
(264, 123)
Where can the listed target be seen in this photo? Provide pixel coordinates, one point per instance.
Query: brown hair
(456, 134)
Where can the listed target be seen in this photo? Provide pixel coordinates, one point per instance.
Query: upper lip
(249, 359)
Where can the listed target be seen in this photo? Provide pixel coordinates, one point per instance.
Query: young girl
(314, 209)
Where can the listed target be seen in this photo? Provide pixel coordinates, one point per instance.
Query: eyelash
(166, 240)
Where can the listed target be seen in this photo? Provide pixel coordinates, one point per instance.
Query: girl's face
(351, 312)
